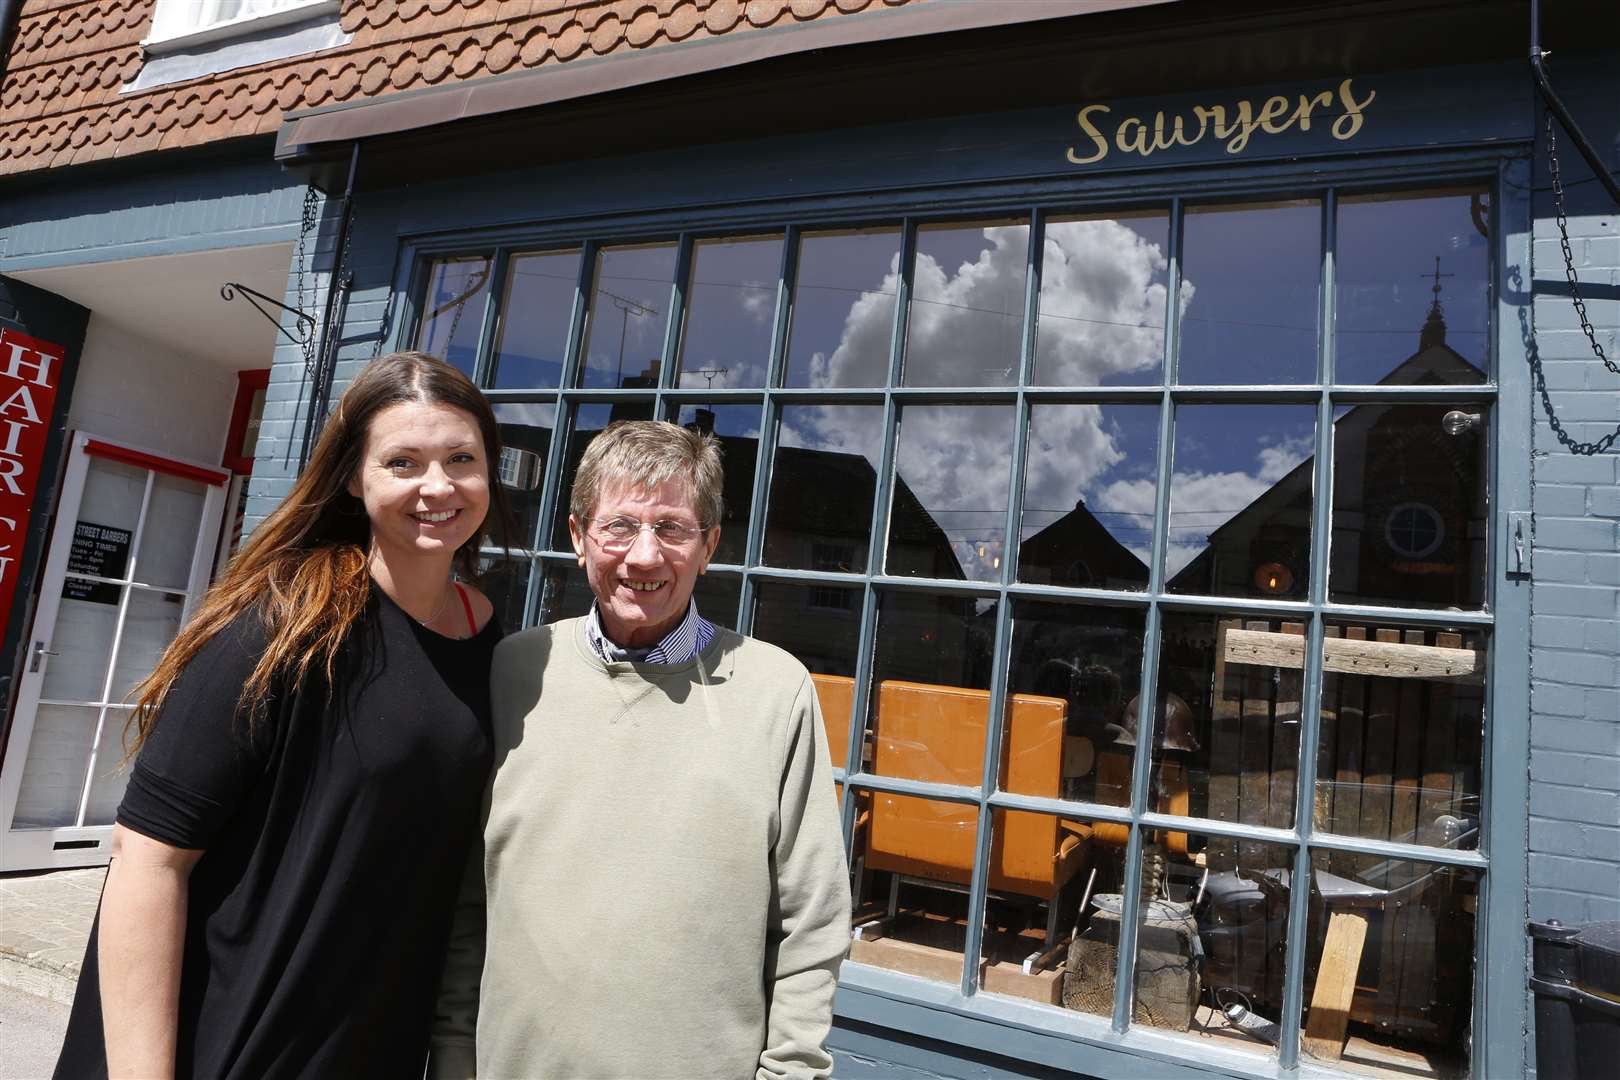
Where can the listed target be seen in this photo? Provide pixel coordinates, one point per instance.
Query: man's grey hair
(639, 455)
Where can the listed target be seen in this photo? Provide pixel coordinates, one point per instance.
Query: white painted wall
(134, 391)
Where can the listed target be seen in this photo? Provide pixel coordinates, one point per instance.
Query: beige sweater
(667, 894)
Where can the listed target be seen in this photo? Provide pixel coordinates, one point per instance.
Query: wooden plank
(1329, 1017)
(1439, 753)
(1409, 725)
(1225, 735)
(1389, 659)
(1348, 764)
(1254, 777)
(1327, 747)
(1285, 740)
(1379, 760)
(1418, 945)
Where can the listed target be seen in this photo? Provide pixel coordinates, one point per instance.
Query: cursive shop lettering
(1235, 125)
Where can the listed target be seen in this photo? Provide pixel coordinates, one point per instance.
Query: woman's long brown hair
(304, 569)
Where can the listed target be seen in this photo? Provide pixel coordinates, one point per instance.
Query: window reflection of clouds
(1229, 464)
(624, 336)
(1077, 453)
(953, 460)
(967, 305)
(731, 306)
(843, 308)
(1253, 318)
(1103, 289)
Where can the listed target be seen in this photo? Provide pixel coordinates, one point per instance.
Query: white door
(130, 556)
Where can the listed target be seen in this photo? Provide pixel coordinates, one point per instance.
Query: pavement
(44, 926)
(31, 1030)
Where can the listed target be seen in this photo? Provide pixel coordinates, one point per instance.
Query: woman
(313, 750)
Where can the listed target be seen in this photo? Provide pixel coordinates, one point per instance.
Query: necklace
(443, 603)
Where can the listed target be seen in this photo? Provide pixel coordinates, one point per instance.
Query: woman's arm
(143, 931)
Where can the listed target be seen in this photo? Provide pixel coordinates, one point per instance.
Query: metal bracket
(305, 325)
(1517, 527)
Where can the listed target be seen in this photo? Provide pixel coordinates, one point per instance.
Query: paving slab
(44, 927)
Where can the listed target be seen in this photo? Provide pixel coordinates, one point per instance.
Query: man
(663, 873)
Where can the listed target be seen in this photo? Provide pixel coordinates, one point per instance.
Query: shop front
(1142, 474)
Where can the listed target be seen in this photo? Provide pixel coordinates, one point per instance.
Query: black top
(334, 834)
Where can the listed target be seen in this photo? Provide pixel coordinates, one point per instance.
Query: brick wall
(1574, 832)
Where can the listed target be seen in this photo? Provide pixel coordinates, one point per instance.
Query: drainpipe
(10, 16)
(337, 304)
(1556, 106)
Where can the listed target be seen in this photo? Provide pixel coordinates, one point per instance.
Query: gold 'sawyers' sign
(1235, 126)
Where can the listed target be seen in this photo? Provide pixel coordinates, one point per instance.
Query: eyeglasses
(621, 532)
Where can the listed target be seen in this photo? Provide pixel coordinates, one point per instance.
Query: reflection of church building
(1408, 513)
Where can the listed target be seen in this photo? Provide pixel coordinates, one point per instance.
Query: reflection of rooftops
(1435, 363)
(1049, 556)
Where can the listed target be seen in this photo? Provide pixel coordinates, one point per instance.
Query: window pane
(1103, 286)
(737, 428)
(1240, 500)
(1409, 505)
(1073, 680)
(717, 595)
(525, 429)
(453, 312)
(624, 331)
(535, 318)
(564, 594)
(107, 780)
(967, 304)
(1226, 742)
(1089, 483)
(169, 538)
(913, 860)
(151, 621)
(506, 582)
(1413, 279)
(843, 308)
(948, 515)
(1403, 722)
(823, 487)
(1239, 920)
(1248, 293)
(588, 422)
(821, 626)
(1044, 871)
(932, 673)
(730, 311)
(54, 774)
(1389, 978)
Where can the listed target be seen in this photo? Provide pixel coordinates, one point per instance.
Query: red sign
(30, 371)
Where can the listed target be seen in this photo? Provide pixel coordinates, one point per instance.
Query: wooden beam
(1385, 659)
(1329, 1017)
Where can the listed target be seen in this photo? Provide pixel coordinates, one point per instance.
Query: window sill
(261, 39)
(239, 27)
(1044, 1034)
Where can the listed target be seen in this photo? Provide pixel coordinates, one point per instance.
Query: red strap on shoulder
(466, 605)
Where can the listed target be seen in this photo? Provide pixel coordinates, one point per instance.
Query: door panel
(130, 556)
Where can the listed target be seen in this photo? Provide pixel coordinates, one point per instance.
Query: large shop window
(1099, 531)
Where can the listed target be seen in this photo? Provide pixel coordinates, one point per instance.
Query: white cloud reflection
(1102, 310)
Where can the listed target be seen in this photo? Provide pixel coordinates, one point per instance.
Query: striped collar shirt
(678, 646)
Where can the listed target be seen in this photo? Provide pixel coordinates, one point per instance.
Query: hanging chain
(306, 225)
(1569, 256)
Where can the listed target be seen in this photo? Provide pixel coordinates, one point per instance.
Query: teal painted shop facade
(1133, 424)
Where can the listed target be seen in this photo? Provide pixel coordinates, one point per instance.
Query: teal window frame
(960, 1014)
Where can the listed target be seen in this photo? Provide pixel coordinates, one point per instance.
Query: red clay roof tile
(71, 59)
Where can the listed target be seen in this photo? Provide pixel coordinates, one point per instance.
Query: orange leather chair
(936, 733)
